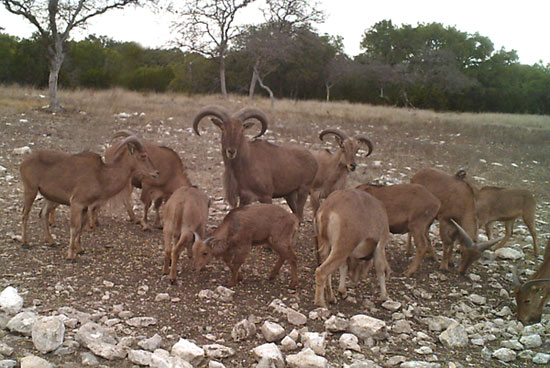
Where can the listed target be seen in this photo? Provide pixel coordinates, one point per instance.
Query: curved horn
(469, 242)
(218, 111)
(367, 141)
(252, 113)
(529, 284)
(122, 134)
(488, 244)
(515, 277)
(196, 237)
(131, 140)
(341, 136)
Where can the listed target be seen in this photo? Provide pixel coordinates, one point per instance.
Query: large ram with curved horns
(334, 167)
(258, 170)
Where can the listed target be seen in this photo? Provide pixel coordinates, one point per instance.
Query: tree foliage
(426, 66)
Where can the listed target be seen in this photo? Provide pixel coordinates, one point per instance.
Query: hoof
(25, 246)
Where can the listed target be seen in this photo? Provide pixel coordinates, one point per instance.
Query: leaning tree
(54, 20)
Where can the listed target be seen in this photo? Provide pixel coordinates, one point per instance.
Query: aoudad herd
(351, 225)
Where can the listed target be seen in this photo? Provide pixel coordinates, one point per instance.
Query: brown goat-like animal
(171, 177)
(532, 296)
(259, 170)
(82, 181)
(184, 222)
(504, 204)
(244, 227)
(333, 168)
(349, 223)
(457, 196)
(411, 208)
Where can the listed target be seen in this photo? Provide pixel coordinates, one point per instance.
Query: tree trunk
(253, 82)
(328, 87)
(222, 77)
(56, 60)
(261, 83)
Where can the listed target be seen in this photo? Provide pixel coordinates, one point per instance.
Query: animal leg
(508, 225)
(322, 273)
(529, 219)
(381, 267)
(167, 251)
(158, 224)
(342, 284)
(77, 212)
(29, 196)
(45, 213)
(301, 202)
(421, 249)
(292, 201)
(489, 229)
(238, 259)
(315, 201)
(408, 250)
(182, 243)
(146, 200)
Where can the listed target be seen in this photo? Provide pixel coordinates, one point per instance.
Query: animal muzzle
(231, 153)
(155, 174)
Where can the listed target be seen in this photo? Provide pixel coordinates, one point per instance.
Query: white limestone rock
(188, 351)
(272, 331)
(349, 342)
(336, 324)
(315, 341)
(10, 300)
(48, 333)
(269, 355)
(22, 323)
(505, 354)
(217, 351)
(364, 327)
(306, 359)
(455, 336)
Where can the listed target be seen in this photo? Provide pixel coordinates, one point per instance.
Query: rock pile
(96, 338)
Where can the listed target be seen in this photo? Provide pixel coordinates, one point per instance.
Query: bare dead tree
(54, 20)
(269, 44)
(208, 27)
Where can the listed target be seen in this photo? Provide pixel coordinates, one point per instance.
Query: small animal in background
(506, 205)
(244, 227)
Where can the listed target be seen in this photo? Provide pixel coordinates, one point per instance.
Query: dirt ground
(120, 252)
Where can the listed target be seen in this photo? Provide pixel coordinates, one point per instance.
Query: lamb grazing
(333, 170)
(82, 181)
(258, 170)
(532, 296)
(171, 177)
(411, 208)
(185, 218)
(349, 223)
(244, 227)
(457, 214)
(502, 204)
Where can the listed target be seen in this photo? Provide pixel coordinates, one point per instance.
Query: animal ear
(217, 122)
(248, 125)
(131, 149)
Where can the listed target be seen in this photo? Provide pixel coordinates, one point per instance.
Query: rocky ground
(117, 310)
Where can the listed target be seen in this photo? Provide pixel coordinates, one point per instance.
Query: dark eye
(205, 254)
(527, 301)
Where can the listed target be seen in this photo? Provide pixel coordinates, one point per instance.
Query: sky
(509, 24)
